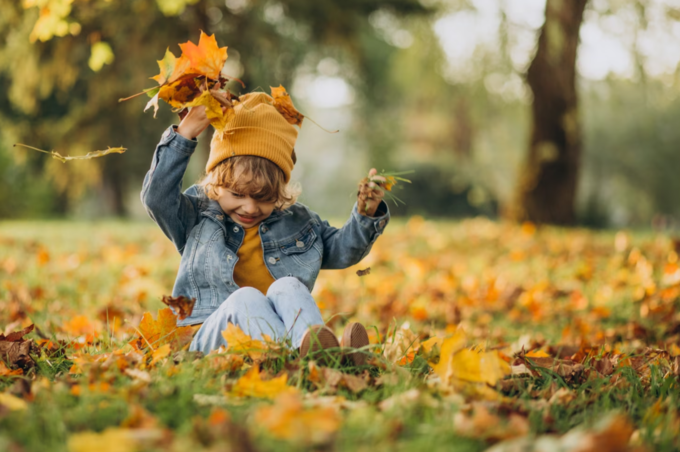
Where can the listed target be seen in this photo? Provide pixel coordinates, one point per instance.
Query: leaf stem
(31, 147)
(139, 94)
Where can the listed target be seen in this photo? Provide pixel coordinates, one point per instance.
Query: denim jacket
(295, 241)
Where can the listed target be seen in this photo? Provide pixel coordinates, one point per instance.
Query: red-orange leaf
(206, 58)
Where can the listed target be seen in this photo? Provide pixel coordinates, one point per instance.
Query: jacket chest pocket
(303, 250)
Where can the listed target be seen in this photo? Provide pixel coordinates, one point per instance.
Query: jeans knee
(286, 284)
(242, 297)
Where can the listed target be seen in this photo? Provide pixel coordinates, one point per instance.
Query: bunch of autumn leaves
(187, 81)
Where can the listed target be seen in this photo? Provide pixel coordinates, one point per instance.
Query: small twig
(139, 94)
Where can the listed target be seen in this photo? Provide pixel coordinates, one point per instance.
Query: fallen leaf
(12, 402)
(479, 422)
(16, 351)
(252, 385)
(5, 371)
(457, 363)
(160, 353)
(240, 343)
(329, 380)
(288, 419)
(399, 344)
(156, 333)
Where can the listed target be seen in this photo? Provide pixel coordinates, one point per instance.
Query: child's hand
(370, 194)
(196, 121)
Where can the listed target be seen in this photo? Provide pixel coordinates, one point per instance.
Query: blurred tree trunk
(547, 184)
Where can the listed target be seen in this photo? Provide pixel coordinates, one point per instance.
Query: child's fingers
(379, 179)
(372, 172)
(222, 99)
(378, 193)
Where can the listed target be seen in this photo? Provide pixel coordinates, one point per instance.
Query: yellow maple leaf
(252, 385)
(110, 440)
(213, 110)
(428, 346)
(156, 333)
(459, 364)
(240, 343)
(449, 347)
(288, 419)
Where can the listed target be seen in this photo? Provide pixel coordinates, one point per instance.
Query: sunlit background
(437, 87)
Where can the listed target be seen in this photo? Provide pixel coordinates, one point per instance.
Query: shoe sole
(355, 336)
(317, 338)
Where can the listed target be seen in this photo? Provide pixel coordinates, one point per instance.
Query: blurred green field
(608, 297)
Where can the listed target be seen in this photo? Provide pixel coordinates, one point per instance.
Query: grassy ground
(538, 339)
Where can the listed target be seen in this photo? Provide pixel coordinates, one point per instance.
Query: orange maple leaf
(177, 77)
(171, 68)
(156, 333)
(206, 58)
(284, 104)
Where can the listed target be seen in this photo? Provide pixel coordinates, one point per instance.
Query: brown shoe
(355, 336)
(316, 338)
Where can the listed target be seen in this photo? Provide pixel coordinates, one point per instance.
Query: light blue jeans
(287, 310)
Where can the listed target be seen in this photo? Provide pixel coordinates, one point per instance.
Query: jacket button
(235, 228)
(381, 224)
(220, 217)
(264, 229)
(299, 244)
(272, 260)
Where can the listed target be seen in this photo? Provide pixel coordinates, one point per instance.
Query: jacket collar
(214, 211)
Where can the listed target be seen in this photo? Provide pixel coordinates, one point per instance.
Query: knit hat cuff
(256, 141)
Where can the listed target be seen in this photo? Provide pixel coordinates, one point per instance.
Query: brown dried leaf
(182, 306)
(15, 350)
(331, 379)
(364, 272)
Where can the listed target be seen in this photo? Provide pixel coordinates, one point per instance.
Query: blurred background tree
(435, 86)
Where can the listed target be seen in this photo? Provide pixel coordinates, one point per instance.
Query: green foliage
(631, 159)
(62, 93)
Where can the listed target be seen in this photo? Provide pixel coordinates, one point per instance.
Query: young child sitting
(250, 252)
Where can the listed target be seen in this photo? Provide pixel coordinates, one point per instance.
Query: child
(250, 253)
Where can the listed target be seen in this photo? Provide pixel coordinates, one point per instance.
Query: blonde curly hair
(254, 176)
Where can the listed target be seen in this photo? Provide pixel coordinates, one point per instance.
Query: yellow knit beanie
(256, 129)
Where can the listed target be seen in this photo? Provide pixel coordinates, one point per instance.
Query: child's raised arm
(175, 212)
(348, 245)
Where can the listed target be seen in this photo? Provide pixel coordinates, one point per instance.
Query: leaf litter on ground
(540, 336)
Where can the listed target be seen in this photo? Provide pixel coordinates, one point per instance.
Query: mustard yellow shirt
(250, 270)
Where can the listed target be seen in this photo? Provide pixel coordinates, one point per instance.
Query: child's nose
(250, 207)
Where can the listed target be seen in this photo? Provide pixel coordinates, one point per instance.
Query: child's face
(243, 209)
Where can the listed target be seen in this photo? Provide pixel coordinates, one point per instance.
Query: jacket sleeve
(348, 245)
(175, 212)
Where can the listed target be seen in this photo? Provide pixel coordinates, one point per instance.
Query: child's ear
(293, 156)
